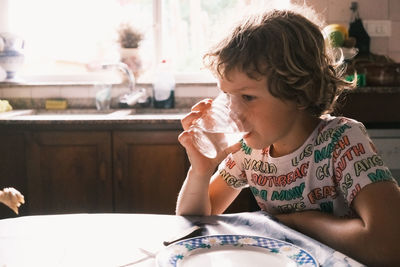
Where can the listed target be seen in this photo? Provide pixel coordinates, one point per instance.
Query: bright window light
(62, 36)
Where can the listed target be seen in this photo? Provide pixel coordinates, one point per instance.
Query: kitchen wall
(83, 95)
(338, 11)
(334, 11)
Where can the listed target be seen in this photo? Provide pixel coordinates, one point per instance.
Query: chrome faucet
(135, 95)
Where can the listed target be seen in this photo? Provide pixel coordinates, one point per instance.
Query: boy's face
(268, 120)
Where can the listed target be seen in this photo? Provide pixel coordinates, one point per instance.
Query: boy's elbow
(385, 259)
(384, 249)
(180, 211)
(191, 213)
(389, 255)
(392, 261)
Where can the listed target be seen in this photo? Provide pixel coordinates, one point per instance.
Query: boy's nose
(237, 111)
(236, 105)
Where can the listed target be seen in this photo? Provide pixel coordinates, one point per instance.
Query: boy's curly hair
(290, 50)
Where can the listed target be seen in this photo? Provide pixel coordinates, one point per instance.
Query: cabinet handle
(103, 171)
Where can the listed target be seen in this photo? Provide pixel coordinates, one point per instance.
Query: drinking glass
(218, 128)
(103, 96)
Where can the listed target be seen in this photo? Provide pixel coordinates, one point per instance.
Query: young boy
(316, 173)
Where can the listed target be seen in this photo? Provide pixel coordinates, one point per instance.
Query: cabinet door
(371, 108)
(69, 172)
(12, 167)
(149, 169)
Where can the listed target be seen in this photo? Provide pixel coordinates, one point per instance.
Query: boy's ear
(299, 104)
(301, 107)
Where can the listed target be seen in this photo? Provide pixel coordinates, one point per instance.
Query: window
(62, 36)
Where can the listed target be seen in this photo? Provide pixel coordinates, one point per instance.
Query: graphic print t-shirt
(336, 161)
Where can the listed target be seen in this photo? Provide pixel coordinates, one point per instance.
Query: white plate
(234, 251)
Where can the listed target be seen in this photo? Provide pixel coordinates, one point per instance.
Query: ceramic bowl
(11, 62)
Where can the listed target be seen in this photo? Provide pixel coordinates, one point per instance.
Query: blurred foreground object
(336, 34)
(5, 106)
(12, 198)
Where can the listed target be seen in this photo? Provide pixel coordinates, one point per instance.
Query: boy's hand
(12, 198)
(201, 164)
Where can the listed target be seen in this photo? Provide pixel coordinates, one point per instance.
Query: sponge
(56, 104)
(5, 106)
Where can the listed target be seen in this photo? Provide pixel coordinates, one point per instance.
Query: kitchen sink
(81, 112)
(74, 111)
(66, 114)
(86, 114)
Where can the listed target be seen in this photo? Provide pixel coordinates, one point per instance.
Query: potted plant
(129, 39)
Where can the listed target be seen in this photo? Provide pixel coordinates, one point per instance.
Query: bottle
(164, 86)
(357, 30)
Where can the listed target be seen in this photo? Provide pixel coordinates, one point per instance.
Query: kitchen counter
(93, 119)
(376, 107)
(376, 89)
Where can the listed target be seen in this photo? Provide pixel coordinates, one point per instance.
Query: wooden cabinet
(71, 169)
(149, 169)
(69, 172)
(12, 166)
(374, 109)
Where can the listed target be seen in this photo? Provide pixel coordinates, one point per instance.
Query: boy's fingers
(196, 112)
(185, 138)
(202, 105)
(187, 121)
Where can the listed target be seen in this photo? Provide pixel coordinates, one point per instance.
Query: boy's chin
(255, 144)
(250, 142)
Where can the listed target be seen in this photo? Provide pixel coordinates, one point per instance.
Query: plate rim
(166, 251)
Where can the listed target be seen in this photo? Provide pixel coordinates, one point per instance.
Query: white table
(117, 239)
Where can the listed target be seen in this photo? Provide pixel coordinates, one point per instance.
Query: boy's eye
(248, 97)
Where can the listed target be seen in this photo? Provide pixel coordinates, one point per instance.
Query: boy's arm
(372, 239)
(199, 196)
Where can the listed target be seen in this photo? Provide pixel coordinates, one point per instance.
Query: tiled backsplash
(83, 95)
(89, 91)
(338, 11)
